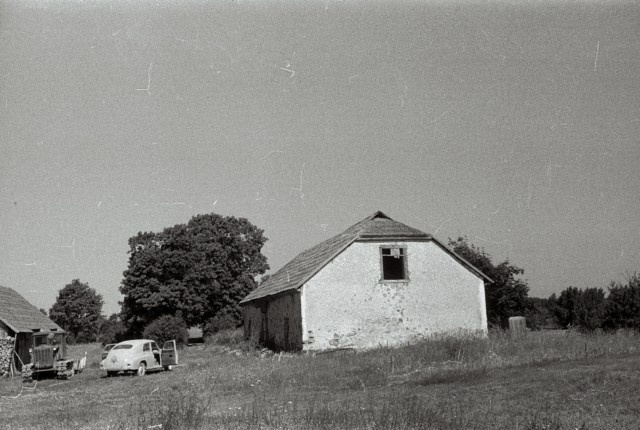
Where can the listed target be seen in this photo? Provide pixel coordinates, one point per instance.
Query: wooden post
(517, 326)
(14, 369)
(18, 358)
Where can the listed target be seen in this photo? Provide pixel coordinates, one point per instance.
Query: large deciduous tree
(195, 270)
(507, 295)
(78, 310)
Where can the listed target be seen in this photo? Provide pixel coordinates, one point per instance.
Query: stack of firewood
(64, 369)
(6, 350)
(27, 373)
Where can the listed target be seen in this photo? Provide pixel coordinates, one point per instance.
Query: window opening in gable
(394, 263)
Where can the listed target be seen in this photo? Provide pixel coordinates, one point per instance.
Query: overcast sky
(517, 126)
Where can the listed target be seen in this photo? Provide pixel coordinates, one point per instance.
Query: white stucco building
(378, 283)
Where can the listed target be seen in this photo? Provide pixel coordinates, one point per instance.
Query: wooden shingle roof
(20, 315)
(299, 270)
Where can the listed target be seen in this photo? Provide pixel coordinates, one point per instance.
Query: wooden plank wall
(23, 343)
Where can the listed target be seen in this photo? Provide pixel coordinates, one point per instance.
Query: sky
(514, 124)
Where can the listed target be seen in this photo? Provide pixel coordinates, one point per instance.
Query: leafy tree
(566, 307)
(623, 305)
(78, 309)
(539, 313)
(552, 305)
(582, 309)
(199, 269)
(590, 309)
(167, 327)
(507, 295)
(222, 321)
(111, 330)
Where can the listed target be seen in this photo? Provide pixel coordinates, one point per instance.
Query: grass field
(547, 380)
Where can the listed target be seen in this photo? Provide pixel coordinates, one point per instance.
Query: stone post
(517, 326)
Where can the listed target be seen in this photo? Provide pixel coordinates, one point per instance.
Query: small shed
(194, 335)
(19, 319)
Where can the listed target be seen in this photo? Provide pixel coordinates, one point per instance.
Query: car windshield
(124, 346)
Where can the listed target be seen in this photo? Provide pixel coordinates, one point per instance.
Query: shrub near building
(165, 328)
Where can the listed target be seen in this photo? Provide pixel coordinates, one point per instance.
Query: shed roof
(194, 332)
(20, 315)
(375, 227)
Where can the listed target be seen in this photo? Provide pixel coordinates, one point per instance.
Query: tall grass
(343, 389)
(441, 383)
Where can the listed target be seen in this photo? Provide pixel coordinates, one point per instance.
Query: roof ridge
(408, 231)
(305, 265)
(377, 214)
(310, 261)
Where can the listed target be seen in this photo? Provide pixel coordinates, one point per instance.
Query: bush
(221, 322)
(540, 313)
(165, 328)
(111, 330)
(590, 309)
(582, 309)
(228, 337)
(623, 305)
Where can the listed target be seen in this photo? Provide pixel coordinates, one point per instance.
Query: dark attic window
(394, 263)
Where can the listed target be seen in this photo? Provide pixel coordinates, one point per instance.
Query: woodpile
(64, 369)
(27, 373)
(6, 351)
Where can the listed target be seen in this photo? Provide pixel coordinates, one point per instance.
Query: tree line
(589, 309)
(585, 309)
(195, 274)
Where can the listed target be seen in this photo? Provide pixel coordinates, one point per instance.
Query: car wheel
(142, 369)
(169, 368)
(110, 374)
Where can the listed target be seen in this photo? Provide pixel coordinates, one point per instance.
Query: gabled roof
(375, 227)
(20, 315)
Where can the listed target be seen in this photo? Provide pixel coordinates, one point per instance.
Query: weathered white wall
(278, 309)
(347, 305)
